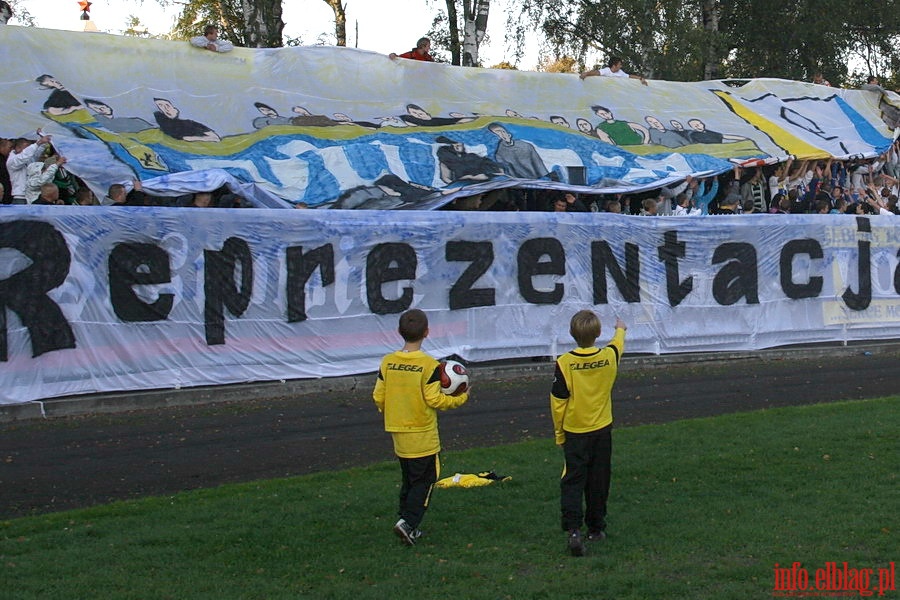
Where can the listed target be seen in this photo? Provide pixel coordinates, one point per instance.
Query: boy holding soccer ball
(581, 406)
(408, 392)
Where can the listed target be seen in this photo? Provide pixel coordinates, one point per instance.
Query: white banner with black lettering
(102, 299)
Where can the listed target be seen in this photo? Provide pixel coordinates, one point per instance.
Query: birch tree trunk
(340, 21)
(262, 23)
(711, 29)
(475, 26)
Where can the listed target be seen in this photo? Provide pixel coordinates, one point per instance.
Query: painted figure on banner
(518, 157)
(416, 115)
(702, 135)
(585, 127)
(346, 119)
(171, 124)
(105, 117)
(305, 118)
(456, 164)
(269, 116)
(661, 136)
(679, 129)
(60, 101)
(387, 192)
(622, 133)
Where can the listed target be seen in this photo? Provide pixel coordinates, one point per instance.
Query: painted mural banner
(345, 128)
(96, 299)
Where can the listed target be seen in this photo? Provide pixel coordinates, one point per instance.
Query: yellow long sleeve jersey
(408, 392)
(580, 399)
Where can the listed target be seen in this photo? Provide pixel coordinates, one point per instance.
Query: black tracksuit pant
(586, 477)
(419, 476)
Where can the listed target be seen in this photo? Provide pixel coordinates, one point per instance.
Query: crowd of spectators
(28, 168)
(794, 187)
(33, 172)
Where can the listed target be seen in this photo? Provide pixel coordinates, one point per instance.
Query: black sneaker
(405, 533)
(596, 536)
(576, 543)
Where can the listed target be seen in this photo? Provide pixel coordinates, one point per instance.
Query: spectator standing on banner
(422, 51)
(23, 154)
(210, 40)
(614, 69)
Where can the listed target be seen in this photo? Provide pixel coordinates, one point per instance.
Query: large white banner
(100, 299)
(345, 128)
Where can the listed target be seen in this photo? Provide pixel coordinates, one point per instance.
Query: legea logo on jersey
(834, 580)
(590, 365)
(404, 367)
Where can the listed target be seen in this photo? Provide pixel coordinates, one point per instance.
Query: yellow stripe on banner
(790, 142)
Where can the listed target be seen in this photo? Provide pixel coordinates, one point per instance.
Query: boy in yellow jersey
(582, 422)
(408, 392)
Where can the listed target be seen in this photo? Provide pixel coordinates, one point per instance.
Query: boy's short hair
(585, 328)
(413, 325)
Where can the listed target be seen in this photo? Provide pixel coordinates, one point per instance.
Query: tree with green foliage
(563, 64)
(135, 28)
(708, 39)
(21, 16)
(662, 38)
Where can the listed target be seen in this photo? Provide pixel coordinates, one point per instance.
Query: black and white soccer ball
(454, 378)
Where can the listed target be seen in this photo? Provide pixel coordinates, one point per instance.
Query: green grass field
(699, 509)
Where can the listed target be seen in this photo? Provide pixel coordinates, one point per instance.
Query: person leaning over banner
(422, 51)
(614, 69)
(210, 40)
